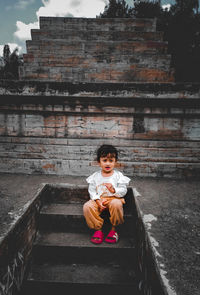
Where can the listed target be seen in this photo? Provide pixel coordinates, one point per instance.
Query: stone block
(92, 35)
(125, 24)
(98, 47)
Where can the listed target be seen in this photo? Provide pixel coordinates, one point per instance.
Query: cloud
(12, 47)
(76, 8)
(130, 3)
(24, 30)
(20, 5)
(166, 6)
(75, 3)
(70, 8)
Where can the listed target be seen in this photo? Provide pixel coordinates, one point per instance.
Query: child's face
(107, 164)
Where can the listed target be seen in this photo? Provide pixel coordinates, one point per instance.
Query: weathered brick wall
(97, 50)
(55, 128)
(16, 246)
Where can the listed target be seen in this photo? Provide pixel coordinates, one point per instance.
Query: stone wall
(16, 246)
(55, 128)
(97, 50)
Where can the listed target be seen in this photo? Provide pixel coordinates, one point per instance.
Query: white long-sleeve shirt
(96, 188)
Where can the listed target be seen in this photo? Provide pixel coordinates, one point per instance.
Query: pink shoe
(97, 237)
(112, 237)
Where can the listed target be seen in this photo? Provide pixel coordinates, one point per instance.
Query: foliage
(116, 9)
(12, 61)
(181, 27)
(146, 9)
(185, 7)
(183, 36)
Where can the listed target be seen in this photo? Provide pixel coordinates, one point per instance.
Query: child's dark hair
(105, 150)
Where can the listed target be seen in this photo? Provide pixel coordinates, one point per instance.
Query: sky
(18, 17)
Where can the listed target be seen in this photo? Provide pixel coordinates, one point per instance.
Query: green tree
(185, 7)
(117, 9)
(182, 31)
(12, 62)
(6, 53)
(147, 8)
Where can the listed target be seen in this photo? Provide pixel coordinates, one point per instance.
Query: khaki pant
(92, 213)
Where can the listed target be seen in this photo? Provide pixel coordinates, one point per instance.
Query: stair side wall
(16, 245)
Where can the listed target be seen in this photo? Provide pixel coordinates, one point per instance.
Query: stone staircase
(64, 260)
(97, 50)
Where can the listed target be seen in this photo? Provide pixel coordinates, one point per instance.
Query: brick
(96, 24)
(79, 35)
(104, 50)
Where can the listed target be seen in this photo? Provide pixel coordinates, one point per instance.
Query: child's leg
(92, 213)
(115, 207)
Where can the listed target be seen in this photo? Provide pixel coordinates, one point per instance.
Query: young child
(106, 188)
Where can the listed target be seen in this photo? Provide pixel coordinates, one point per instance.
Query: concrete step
(180, 92)
(169, 169)
(67, 200)
(81, 144)
(69, 218)
(62, 217)
(65, 247)
(112, 72)
(138, 60)
(134, 153)
(98, 62)
(65, 278)
(91, 35)
(106, 24)
(73, 198)
(94, 48)
(95, 75)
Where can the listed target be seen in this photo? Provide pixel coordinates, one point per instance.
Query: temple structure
(85, 82)
(97, 50)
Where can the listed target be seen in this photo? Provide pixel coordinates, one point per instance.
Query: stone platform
(55, 127)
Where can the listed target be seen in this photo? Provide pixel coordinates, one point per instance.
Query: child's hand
(110, 187)
(100, 205)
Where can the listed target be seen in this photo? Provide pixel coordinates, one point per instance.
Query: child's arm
(95, 197)
(92, 191)
(122, 184)
(110, 187)
(119, 191)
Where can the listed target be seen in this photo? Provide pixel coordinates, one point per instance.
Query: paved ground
(170, 209)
